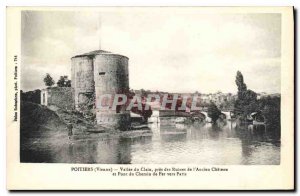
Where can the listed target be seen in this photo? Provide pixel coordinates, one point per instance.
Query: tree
(143, 92)
(213, 112)
(227, 105)
(31, 96)
(270, 107)
(48, 80)
(64, 82)
(68, 83)
(239, 80)
(246, 102)
(61, 81)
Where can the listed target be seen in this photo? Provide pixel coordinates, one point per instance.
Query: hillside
(36, 117)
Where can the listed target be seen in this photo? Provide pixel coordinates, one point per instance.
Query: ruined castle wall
(61, 97)
(82, 79)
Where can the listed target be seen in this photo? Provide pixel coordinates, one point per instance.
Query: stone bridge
(224, 115)
(202, 114)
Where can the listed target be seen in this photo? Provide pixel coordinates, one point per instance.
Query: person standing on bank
(70, 132)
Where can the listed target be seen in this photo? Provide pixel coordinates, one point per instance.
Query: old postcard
(150, 98)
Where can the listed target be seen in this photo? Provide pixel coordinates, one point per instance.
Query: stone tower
(97, 73)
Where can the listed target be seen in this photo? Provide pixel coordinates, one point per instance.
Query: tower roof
(97, 52)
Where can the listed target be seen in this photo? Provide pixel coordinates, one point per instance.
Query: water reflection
(172, 132)
(198, 143)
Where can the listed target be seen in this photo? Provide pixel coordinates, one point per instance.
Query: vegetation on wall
(87, 107)
(64, 82)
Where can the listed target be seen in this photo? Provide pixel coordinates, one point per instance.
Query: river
(169, 143)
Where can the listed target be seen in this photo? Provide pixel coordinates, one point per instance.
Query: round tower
(111, 77)
(82, 79)
(98, 73)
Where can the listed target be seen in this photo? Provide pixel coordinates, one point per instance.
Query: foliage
(87, 107)
(246, 102)
(227, 105)
(48, 80)
(31, 96)
(270, 107)
(213, 112)
(240, 82)
(68, 83)
(144, 93)
(64, 82)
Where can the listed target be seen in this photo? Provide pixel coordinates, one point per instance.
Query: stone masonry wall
(61, 97)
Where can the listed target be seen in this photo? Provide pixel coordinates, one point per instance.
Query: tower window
(101, 73)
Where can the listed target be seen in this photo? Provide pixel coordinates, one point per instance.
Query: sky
(174, 51)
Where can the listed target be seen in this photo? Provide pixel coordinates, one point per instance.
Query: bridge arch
(207, 119)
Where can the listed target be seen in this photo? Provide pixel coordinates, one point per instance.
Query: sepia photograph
(204, 92)
(109, 94)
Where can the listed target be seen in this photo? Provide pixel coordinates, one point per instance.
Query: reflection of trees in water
(252, 136)
(198, 125)
(246, 140)
(80, 152)
(211, 131)
(259, 133)
(198, 131)
(36, 155)
(221, 123)
(125, 147)
(274, 132)
(110, 151)
(214, 132)
(173, 137)
(173, 132)
(124, 151)
(219, 131)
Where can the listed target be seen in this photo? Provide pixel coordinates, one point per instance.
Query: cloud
(178, 52)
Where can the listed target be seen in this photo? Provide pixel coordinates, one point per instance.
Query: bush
(213, 112)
